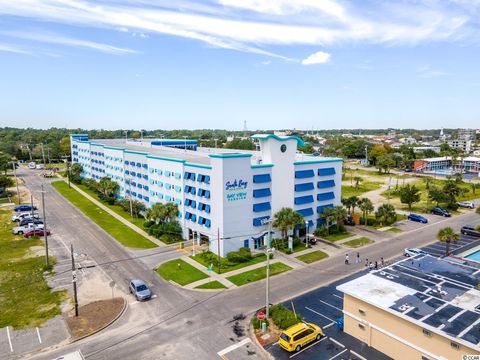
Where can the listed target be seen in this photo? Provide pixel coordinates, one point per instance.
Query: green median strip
(358, 242)
(312, 256)
(337, 237)
(258, 274)
(211, 285)
(119, 231)
(180, 272)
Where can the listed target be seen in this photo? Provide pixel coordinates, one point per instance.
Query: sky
(276, 64)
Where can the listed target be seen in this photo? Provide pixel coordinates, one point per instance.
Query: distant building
(418, 149)
(419, 308)
(440, 165)
(466, 134)
(408, 140)
(463, 145)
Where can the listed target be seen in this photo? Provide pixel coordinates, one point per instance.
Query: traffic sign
(260, 315)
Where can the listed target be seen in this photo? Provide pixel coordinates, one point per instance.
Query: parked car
(470, 230)
(140, 290)
(24, 207)
(417, 218)
(440, 211)
(19, 230)
(299, 335)
(30, 220)
(348, 220)
(311, 240)
(408, 170)
(23, 215)
(31, 165)
(36, 232)
(466, 204)
(408, 252)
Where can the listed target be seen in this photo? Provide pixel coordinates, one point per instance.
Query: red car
(36, 232)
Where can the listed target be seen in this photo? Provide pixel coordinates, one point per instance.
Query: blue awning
(326, 171)
(265, 206)
(304, 200)
(305, 212)
(326, 196)
(326, 184)
(258, 193)
(261, 178)
(302, 174)
(304, 187)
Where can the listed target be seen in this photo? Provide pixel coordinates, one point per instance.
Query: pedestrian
(358, 258)
(370, 265)
(346, 259)
(366, 262)
(376, 265)
(383, 262)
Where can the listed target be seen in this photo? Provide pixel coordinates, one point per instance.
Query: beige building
(422, 308)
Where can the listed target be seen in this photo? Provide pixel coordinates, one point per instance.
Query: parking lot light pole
(268, 251)
(74, 281)
(47, 262)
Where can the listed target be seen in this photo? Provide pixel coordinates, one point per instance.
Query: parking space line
(233, 347)
(38, 334)
(316, 312)
(327, 326)
(323, 302)
(340, 297)
(337, 342)
(309, 346)
(9, 340)
(340, 353)
(357, 355)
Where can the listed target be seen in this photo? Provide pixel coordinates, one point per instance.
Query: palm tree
(427, 180)
(447, 235)
(286, 219)
(328, 214)
(386, 214)
(107, 187)
(354, 202)
(366, 206)
(339, 213)
(162, 213)
(409, 194)
(357, 180)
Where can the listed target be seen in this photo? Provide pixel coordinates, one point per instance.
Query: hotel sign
(236, 189)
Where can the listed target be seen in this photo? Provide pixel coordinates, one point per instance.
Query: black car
(469, 230)
(28, 221)
(440, 211)
(21, 208)
(348, 220)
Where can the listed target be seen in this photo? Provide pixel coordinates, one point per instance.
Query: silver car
(466, 204)
(24, 215)
(140, 290)
(20, 230)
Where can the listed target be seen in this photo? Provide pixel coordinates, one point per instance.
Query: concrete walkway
(115, 215)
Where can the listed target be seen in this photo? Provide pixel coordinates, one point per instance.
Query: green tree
(447, 235)
(357, 180)
(162, 213)
(436, 195)
(409, 194)
(240, 144)
(386, 214)
(5, 182)
(366, 206)
(75, 173)
(339, 214)
(377, 152)
(350, 203)
(5, 163)
(65, 145)
(328, 214)
(286, 219)
(108, 188)
(385, 163)
(427, 181)
(451, 191)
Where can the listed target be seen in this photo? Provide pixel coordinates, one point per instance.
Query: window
(300, 336)
(426, 332)
(454, 345)
(207, 194)
(361, 311)
(361, 326)
(207, 209)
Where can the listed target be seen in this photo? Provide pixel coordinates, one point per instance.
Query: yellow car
(299, 335)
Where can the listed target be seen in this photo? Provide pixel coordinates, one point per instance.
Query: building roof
(280, 138)
(435, 294)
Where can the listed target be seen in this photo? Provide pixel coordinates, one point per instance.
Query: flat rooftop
(436, 294)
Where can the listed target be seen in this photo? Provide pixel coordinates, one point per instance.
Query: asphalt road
(184, 324)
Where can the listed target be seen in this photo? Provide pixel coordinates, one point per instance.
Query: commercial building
(221, 193)
(445, 165)
(461, 144)
(419, 308)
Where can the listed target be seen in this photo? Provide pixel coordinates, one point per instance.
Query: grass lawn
(138, 221)
(363, 187)
(337, 237)
(115, 228)
(183, 275)
(226, 265)
(258, 274)
(278, 244)
(395, 230)
(26, 300)
(355, 243)
(211, 285)
(312, 257)
(361, 173)
(4, 200)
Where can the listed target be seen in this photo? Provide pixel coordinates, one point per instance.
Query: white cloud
(13, 49)
(427, 71)
(320, 57)
(62, 40)
(256, 25)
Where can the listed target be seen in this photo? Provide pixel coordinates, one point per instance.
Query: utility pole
(130, 196)
(47, 262)
(16, 180)
(267, 287)
(32, 212)
(218, 248)
(43, 156)
(69, 172)
(74, 281)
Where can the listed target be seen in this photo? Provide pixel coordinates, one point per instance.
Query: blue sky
(274, 63)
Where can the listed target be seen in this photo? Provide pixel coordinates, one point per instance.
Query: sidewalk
(115, 215)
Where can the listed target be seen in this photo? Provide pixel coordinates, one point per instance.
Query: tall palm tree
(447, 235)
(286, 219)
(339, 213)
(366, 206)
(354, 202)
(328, 214)
(386, 214)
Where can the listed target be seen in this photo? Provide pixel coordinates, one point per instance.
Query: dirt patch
(34, 251)
(273, 331)
(94, 316)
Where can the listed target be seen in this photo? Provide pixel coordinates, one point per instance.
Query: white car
(24, 215)
(408, 252)
(466, 204)
(31, 165)
(20, 230)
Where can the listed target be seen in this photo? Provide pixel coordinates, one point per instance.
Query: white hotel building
(232, 193)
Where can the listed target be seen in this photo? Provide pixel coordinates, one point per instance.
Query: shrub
(321, 231)
(242, 255)
(282, 317)
(478, 211)
(170, 231)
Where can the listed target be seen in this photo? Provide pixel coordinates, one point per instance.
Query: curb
(105, 326)
(251, 333)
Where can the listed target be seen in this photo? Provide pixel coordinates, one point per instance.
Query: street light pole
(269, 251)
(74, 281)
(306, 234)
(47, 262)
